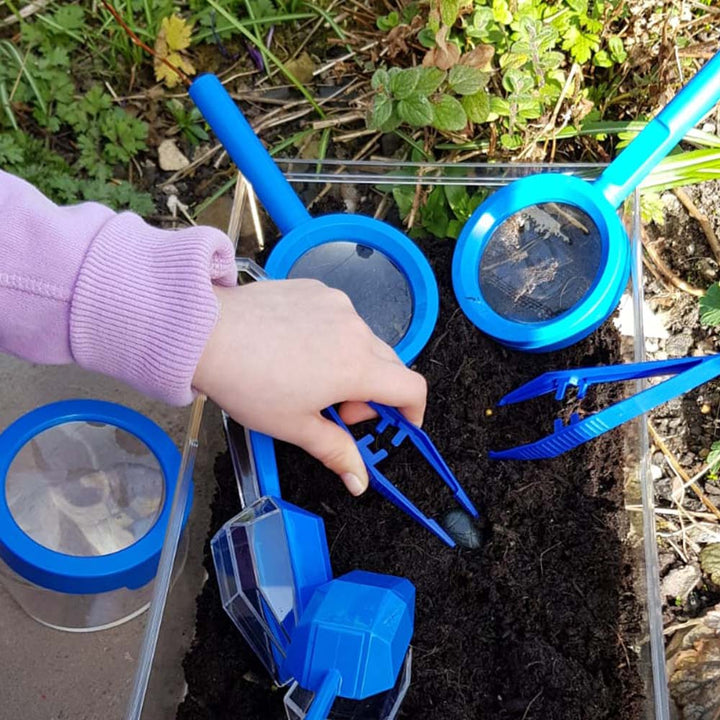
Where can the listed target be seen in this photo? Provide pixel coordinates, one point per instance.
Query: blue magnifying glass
(544, 261)
(386, 276)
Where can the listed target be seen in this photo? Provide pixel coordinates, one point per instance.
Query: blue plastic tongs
(391, 417)
(688, 373)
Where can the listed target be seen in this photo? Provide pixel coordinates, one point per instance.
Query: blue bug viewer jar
(85, 494)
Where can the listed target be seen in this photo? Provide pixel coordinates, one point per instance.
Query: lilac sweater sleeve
(108, 291)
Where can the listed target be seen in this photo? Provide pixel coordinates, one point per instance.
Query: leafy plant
(534, 42)
(172, 40)
(190, 122)
(710, 306)
(445, 210)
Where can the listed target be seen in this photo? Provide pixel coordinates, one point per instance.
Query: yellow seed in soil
(705, 409)
(488, 412)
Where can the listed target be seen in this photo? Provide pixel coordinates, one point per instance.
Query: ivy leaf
(449, 114)
(477, 106)
(466, 80)
(381, 112)
(710, 306)
(403, 83)
(429, 81)
(415, 110)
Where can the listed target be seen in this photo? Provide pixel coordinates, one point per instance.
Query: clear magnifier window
(85, 489)
(378, 289)
(540, 262)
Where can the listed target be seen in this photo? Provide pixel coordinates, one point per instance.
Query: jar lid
(86, 492)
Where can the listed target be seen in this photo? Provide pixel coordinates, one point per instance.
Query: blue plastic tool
(264, 454)
(391, 417)
(543, 262)
(688, 373)
(134, 566)
(301, 231)
(342, 638)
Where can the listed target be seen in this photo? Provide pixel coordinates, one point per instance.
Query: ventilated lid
(85, 488)
(378, 289)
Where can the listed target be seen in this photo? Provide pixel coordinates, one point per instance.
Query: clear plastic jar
(84, 502)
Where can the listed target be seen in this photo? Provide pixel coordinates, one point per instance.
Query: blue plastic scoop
(544, 261)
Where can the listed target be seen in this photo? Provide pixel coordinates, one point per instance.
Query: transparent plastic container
(84, 496)
(350, 182)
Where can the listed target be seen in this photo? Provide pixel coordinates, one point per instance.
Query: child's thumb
(336, 449)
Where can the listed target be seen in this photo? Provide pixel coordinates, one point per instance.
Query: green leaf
(477, 106)
(380, 79)
(713, 458)
(458, 200)
(435, 217)
(710, 306)
(449, 114)
(415, 110)
(602, 59)
(499, 106)
(430, 80)
(579, 6)
(466, 80)
(381, 112)
(511, 142)
(388, 22)
(449, 11)
(501, 12)
(426, 37)
(404, 196)
(617, 49)
(404, 82)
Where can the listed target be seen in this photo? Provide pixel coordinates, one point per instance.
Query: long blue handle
(248, 153)
(661, 134)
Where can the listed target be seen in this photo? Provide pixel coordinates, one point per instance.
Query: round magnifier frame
(586, 314)
(134, 566)
(383, 238)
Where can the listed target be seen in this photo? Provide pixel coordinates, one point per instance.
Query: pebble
(170, 158)
(463, 529)
(656, 472)
(679, 583)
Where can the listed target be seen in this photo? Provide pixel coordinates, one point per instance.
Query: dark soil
(536, 624)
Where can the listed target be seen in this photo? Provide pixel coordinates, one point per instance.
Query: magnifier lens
(379, 291)
(85, 489)
(540, 262)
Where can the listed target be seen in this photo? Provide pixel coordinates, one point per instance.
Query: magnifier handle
(661, 134)
(248, 153)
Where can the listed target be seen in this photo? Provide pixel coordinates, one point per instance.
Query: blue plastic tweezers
(688, 373)
(391, 417)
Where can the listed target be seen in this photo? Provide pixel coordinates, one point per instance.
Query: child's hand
(282, 351)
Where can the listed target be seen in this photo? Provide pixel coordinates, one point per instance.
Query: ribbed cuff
(143, 306)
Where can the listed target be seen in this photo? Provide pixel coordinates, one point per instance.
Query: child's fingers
(354, 412)
(393, 384)
(335, 449)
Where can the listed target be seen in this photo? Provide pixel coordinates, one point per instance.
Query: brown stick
(704, 499)
(705, 224)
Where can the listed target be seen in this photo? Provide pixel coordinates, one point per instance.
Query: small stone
(679, 583)
(463, 529)
(170, 158)
(656, 472)
(705, 409)
(488, 412)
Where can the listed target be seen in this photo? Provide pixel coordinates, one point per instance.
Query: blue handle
(661, 134)
(325, 696)
(248, 153)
